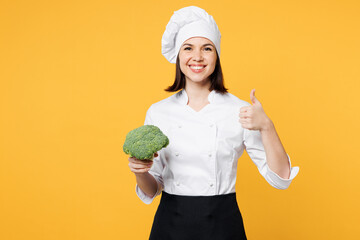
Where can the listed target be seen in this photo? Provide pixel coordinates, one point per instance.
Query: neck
(197, 92)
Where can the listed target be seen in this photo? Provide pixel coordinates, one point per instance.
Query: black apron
(198, 217)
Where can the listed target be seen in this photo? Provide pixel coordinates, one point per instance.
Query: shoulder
(164, 103)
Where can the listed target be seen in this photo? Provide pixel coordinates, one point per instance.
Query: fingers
(141, 170)
(139, 166)
(246, 123)
(245, 109)
(248, 126)
(135, 160)
(245, 115)
(136, 163)
(245, 120)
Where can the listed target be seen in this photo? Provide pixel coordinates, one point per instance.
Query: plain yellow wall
(76, 76)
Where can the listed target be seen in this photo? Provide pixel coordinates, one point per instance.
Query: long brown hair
(216, 78)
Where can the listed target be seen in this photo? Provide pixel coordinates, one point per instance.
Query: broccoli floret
(144, 141)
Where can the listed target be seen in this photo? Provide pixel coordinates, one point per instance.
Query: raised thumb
(252, 96)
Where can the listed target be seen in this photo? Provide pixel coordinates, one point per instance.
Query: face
(197, 59)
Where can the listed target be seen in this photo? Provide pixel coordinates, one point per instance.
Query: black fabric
(198, 217)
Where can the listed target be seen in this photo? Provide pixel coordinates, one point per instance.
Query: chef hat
(186, 23)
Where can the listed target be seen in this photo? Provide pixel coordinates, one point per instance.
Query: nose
(197, 55)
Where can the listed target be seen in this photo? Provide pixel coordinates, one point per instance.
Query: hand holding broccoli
(140, 166)
(142, 144)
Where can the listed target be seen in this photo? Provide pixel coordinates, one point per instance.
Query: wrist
(267, 126)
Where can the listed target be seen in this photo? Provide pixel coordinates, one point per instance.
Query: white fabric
(201, 158)
(186, 23)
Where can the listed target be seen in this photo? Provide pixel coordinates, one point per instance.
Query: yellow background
(76, 76)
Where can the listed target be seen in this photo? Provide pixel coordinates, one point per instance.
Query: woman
(208, 129)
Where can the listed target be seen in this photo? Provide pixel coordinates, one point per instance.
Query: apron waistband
(170, 195)
(199, 205)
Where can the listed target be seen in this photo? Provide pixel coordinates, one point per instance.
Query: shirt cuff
(278, 182)
(145, 198)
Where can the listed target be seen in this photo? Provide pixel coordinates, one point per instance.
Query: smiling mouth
(197, 67)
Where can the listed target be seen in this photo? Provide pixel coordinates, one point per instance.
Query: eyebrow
(207, 44)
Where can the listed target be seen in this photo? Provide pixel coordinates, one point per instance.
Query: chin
(198, 80)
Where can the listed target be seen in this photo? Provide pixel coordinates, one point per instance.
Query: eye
(209, 49)
(187, 48)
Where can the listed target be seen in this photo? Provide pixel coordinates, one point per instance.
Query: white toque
(186, 23)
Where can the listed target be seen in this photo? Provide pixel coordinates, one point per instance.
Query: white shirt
(204, 147)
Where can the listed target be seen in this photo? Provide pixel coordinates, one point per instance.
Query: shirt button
(211, 125)
(179, 126)
(211, 184)
(210, 155)
(177, 184)
(176, 154)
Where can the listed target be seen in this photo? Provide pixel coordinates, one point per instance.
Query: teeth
(197, 67)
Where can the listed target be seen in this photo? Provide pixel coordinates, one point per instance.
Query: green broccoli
(144, 141)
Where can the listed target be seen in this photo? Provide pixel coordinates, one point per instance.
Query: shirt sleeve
(155, 170)
(255, 149)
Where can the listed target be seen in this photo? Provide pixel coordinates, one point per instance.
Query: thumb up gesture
(253, 117)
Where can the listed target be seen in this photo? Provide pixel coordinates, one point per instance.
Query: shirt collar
(183, 97)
